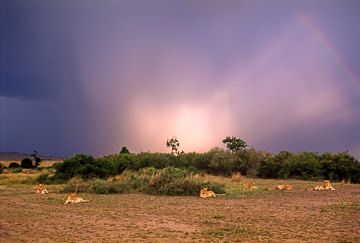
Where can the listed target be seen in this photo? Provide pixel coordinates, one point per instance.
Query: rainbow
(320, 36)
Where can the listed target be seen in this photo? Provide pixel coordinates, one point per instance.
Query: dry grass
(297, 216)
(237, 177)
(10, 177)
(241, 215)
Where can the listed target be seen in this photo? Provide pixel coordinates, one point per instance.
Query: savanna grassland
(241, 215)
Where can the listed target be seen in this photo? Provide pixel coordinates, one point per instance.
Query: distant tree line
(237, 158)
(217, 161)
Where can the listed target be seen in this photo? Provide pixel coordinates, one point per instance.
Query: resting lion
(73, 199)
(41, 189)
(284, 187)
(251, 185)
(204, 193)
(325, 187)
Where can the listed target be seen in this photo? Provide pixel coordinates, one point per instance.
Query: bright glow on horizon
(199, 127)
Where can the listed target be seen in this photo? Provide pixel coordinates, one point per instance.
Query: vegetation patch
(168, 181)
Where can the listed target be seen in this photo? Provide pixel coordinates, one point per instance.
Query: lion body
(73, 199)
(284, 187)
(41, 189)
(251, 185)
(204, 193)
(325, 187)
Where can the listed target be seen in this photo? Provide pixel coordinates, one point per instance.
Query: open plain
(242, 215)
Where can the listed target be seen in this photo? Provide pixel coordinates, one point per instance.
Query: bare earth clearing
(245, 216)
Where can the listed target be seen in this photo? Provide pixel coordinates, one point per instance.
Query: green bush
(18, 170)
(86, 167)
(271, 168)
(222, 162)
(26, 163)
(311, 165)
(43, 178)
(167, 181)
(340, 166)
(122, 161)
(156, 160)
(248, 161)
(202, 161)
(14, 165)
(217, 161)
(56, 165)
(1, 168)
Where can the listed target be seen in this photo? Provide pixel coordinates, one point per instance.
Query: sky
(93, 76)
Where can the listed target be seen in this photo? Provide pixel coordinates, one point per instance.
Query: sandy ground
(265, 215)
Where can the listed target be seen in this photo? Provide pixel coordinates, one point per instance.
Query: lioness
(251, 185)
(325, 187)
(284, 187)
(204, 193)
(41, 189)
(73, 199)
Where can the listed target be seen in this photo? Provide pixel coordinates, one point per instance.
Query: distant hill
(14, 156)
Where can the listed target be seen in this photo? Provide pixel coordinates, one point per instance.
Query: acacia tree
(234, 143)
(174, 144)
(37, 158)
(124, 150)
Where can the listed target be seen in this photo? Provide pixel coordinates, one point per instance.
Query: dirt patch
(259, 215)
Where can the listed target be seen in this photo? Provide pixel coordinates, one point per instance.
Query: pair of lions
(279, 187)
(71, 198)
(286, 187)
(325, 187)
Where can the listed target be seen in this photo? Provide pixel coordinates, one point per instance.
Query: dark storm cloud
(93, 76)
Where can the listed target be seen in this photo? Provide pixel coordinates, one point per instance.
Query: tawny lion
(73, 199)
(41, 189)
(204, 193)
(284, 187)
(251, 185)
(325, 187)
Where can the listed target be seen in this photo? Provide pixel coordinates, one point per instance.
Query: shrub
(167, 181)
(14, 165)
(43, 178)
(86, 167)
(1, 168)
(237, 177)
(340, 166)
(56, 165)
(271, 168)
(222, 163)
(247, 161)
(310, 165)
(124, 150)
(202, 161)
(122, 161)
(156, 160)
(26, 163)
(18, 170)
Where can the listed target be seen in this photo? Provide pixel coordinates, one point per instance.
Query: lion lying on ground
(325, 187)
(73, 199)
(284, 187)
(251, 185)
(204, 193)
(41, 189)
